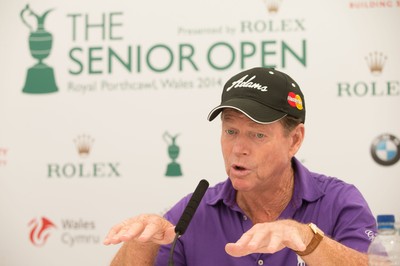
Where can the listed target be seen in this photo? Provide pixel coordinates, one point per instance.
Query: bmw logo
(385, 149)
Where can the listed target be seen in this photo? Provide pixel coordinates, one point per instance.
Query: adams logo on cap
(295, 100)
(241, 83)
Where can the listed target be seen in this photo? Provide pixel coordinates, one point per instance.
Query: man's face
(257, 156)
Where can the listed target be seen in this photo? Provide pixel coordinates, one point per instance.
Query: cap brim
(256, 111)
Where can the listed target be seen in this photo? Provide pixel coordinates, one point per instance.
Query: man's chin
(240, 184)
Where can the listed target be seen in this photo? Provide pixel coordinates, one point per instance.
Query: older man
(271, 209)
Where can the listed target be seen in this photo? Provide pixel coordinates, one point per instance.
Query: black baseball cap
(265, 95)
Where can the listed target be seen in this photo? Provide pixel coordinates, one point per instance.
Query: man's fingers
(144, 228)
(151, 231)
(158, 233)
(267, 238)
(169, 235)
(233, 250)
(112, 233)
(240, 248)
(131, 231)
(124, 231)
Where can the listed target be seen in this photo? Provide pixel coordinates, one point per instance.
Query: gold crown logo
(83, 144)
(376, 62)
(272, 5)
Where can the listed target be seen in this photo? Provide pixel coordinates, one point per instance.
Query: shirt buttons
(245, 217)
(260, 262)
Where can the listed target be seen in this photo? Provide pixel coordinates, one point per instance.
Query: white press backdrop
(132, 76)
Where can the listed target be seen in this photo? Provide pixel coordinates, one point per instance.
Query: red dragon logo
(40, 230)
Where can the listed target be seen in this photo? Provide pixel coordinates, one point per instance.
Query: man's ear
(297, 137)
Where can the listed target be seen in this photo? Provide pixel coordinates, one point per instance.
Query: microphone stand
(171, 253)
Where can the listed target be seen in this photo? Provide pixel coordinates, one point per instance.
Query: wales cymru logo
(40, 77)
(40, 230)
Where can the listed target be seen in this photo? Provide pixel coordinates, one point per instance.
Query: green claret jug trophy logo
(40, 77)
(173, 168)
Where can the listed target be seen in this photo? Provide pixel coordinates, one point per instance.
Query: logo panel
(84, 167)
(295, 100)
(173, 168)
(72, 232)
(376, 87)
(385, 149)
(41, 230)
(376, 62)
(40, 77)
(272, 6)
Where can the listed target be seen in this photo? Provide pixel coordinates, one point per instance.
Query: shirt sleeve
(355, 224)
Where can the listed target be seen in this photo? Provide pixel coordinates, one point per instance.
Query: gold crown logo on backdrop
(272, 5)
(83, 144)
(376, 62)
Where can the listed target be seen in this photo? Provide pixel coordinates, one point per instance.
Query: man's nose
(241, 146)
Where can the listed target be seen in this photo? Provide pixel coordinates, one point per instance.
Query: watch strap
(317, 238)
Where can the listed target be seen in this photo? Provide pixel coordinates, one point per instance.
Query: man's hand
(270, 238)
(143, 228)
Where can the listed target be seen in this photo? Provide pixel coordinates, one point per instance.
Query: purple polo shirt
(336, 207)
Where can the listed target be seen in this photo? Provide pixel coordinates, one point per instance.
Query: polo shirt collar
(305, 188)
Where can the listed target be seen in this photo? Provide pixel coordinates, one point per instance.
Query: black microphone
(187, 214)
(191, 207)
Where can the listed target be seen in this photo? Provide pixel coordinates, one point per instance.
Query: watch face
(313, 227)
(316, 230)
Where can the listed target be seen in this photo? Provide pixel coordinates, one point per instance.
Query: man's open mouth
(238, 167)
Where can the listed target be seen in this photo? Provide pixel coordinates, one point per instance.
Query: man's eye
(230, 131)
(260, 135)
